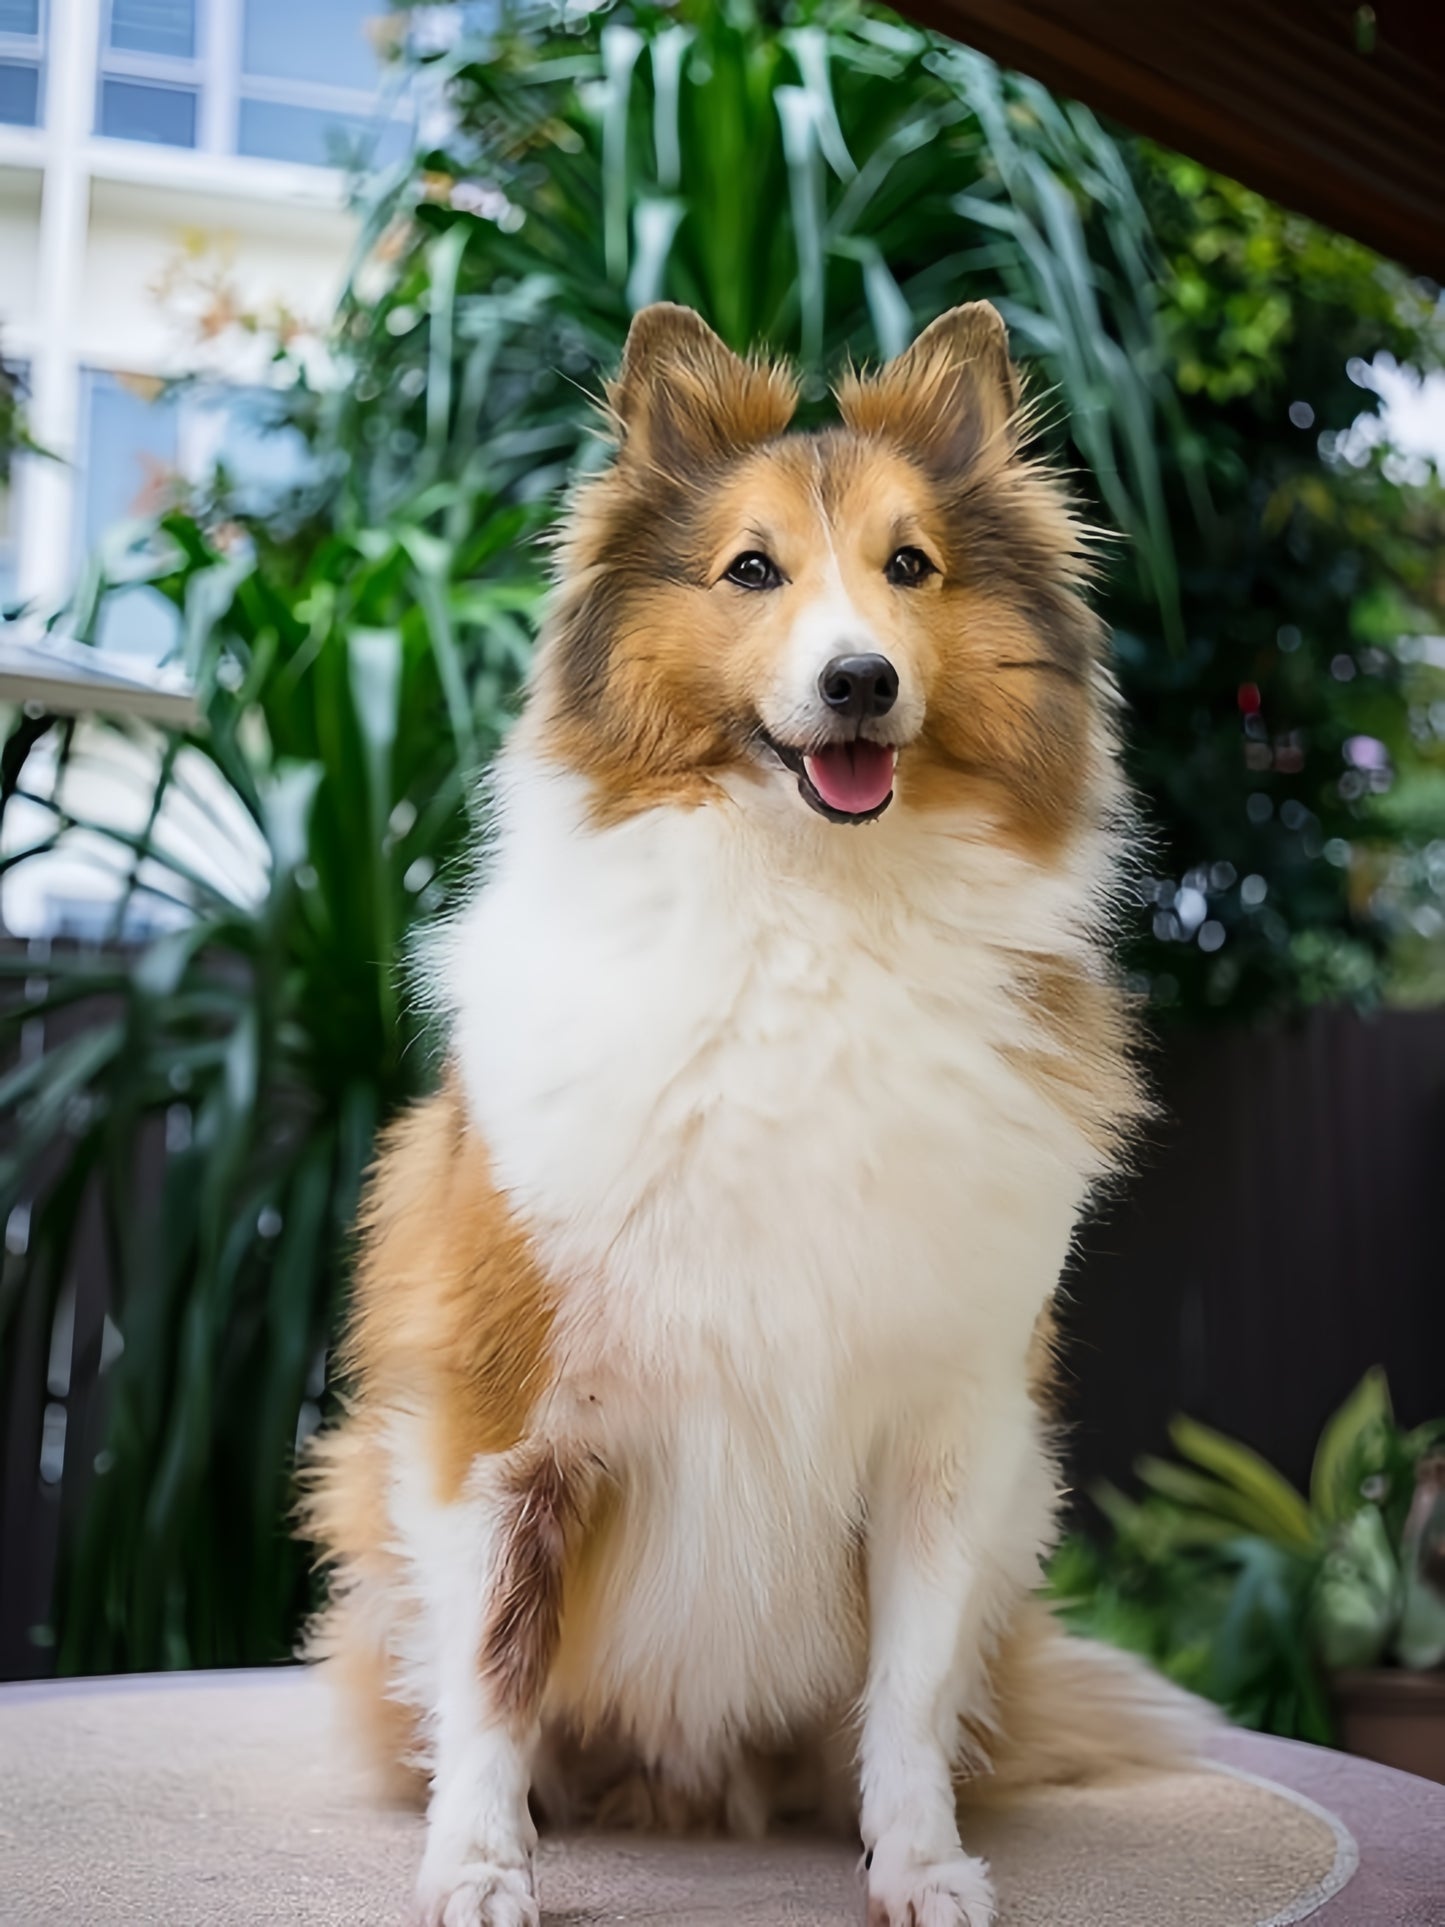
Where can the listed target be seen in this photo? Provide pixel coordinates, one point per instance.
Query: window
(132, 111)
(324, 42)
(277, 130)
(238, 437)
(165, 27)
(22, 29)
(131, 450)
(150, 82)
(289, 80)
(139, 438)
(132, 447)
(308, 81)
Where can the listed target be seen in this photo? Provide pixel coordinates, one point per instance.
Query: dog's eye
(907, 567)
(754, 570)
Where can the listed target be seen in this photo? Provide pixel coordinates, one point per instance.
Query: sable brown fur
(647, 681)
(343, 1514)
(451, 1318)
(451, 1309)
(1084, 1056)
(543, 1511)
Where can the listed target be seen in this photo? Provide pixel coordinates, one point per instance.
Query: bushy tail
(1068, 1709)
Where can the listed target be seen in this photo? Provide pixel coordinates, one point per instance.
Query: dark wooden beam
(1332, 108)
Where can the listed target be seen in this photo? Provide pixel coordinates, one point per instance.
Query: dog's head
(885, 614)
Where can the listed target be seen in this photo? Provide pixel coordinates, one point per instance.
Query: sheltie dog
(698, 1469)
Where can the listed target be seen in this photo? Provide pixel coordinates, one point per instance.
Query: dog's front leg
(957, 1513)
(490, 1571)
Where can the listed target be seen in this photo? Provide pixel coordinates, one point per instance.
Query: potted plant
(1321, 1618)
(1376, 1602)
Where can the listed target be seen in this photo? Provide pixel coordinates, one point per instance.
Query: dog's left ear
(953, 394)
(683, 398)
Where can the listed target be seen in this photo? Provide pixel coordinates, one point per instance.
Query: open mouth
(846, 782)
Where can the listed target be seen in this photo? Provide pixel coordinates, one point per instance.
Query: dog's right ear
(683, 398)
(948, 398)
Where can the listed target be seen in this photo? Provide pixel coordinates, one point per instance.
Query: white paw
(905, 1890)
(477, 1894)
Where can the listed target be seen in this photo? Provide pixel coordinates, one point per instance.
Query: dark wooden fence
(1285, 1229)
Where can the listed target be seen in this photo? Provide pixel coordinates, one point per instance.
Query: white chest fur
(749, 1080)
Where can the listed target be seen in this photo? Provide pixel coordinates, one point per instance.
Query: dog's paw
(476, 1894)
(905, 1890)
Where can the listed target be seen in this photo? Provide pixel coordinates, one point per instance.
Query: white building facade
(136, 135)
(164, 164)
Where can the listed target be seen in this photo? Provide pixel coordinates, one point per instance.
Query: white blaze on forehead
(826, 626)
(829, 624)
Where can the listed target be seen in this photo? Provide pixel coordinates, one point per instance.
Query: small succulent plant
(1248, 1590)
(1420, 1641)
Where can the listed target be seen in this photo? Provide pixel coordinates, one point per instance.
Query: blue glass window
(132, 446)
(138, 621)
(277, 131)
(19, 93)
(165, 27)
(20, 16)
(322, 40)
(264, 459)
(309, 73)
(138, 110)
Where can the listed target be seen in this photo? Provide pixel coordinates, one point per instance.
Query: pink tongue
(854, 777)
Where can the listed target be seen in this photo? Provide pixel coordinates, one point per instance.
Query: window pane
(132, 110)
(277, 132)
(138, 621)
(19, 16)
(154, 27)
(263, 459)
(323, 40)
(130, 451)
(19, 94)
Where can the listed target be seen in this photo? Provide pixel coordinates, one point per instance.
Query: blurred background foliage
(11, 417)
(1254, 1594)
(822, 179)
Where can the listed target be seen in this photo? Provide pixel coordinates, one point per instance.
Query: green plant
(13, 433)
(12, 425)
(1206, 365)
(1289, 753)
(1246, 1590)
(899, 173)
(357, 652)
(352, 682)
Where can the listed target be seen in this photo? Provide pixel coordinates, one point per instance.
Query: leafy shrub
(1244, 1590)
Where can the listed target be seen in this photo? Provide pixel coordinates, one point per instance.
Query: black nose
(859, 686)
